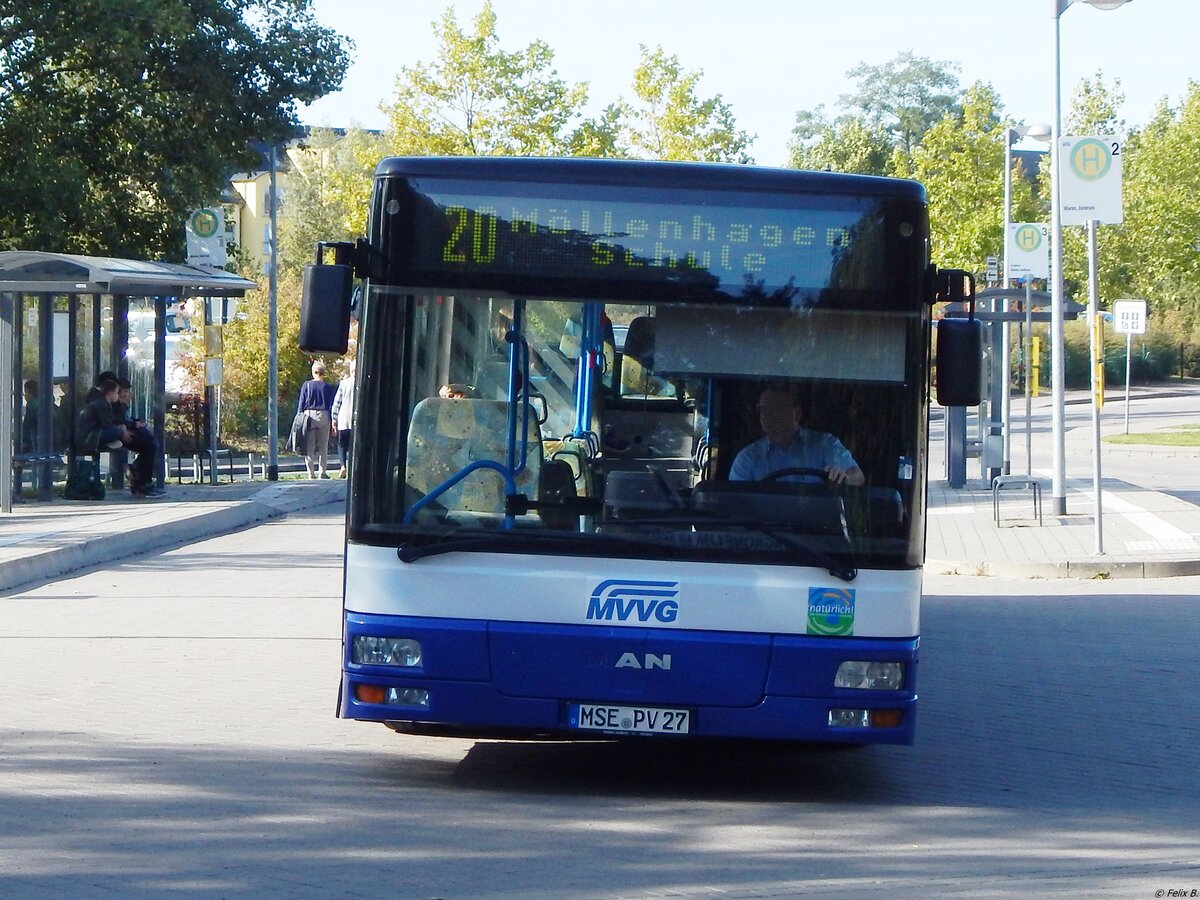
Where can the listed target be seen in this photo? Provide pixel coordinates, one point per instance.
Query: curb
(47, 565)
(1085, 569)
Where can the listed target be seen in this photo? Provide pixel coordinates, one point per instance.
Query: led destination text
(496, 234)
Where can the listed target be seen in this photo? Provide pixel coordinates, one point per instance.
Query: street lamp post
(1057, 354)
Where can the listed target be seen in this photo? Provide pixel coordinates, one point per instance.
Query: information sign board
(1090, 177)
(1028, 250)
(1129, 317)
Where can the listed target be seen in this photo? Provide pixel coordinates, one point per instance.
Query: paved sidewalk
(43, 541)
(1147, 529)
(1145, 533)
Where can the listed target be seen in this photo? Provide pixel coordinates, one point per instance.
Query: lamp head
(1061, 5)
(1039, 131)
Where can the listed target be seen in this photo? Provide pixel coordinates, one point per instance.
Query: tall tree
(961, 162)
(1161, 232)
(848, 145)
(116, 116)
(905, 96)
(477, 99)
(669, 121)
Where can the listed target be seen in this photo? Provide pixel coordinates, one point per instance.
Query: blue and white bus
(558, 362)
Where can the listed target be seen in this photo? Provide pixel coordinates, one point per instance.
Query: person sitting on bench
(141, 441)
(98, 426)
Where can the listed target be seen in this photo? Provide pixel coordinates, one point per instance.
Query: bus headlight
(871, 676)
(381, 651)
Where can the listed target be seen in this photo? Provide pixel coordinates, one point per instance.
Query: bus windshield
(641, 429)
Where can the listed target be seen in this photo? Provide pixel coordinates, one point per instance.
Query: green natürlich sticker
(831, 611)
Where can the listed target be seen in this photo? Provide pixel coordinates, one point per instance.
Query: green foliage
(904, 96)
(479, 100)
(848, 145)
(327, 192)
(669, 121)
(1161, 233)
(961, 162)
(117, 116)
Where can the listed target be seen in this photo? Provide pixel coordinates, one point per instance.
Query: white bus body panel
(673, 594)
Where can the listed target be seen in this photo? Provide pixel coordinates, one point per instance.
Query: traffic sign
(1090, 175)
(1129, 317)
(1028, 250)
(992, 268)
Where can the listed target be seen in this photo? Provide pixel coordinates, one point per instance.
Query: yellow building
(248, 208)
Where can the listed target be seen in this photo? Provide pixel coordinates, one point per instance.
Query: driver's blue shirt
(808, 450)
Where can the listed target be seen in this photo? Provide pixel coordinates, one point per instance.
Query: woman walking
(316, 399)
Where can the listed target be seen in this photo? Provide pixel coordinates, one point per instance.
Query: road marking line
(1159, 529)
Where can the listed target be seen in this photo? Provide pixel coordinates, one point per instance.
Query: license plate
(628, 719)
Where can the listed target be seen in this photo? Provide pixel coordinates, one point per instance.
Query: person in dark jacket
(315, 403)
(141, 441)
(97, 426)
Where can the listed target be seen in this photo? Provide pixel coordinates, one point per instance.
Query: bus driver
(787, 445)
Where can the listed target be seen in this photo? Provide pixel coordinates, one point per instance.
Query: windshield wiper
(584, 544)
(508, 540)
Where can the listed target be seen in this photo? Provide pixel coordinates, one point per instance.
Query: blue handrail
(510, 487)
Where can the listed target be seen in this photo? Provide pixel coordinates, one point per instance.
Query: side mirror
(325, 309)
(959, 341)
(959, 351)
(327, 298)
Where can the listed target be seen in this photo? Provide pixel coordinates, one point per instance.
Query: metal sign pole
(1093, 320)
(1028, 376)
(1128, 350)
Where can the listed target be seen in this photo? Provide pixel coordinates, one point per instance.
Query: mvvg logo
(639, 600)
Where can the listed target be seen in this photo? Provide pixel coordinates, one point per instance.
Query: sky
(770, 58)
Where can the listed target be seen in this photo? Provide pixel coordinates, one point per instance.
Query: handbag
(297, 434)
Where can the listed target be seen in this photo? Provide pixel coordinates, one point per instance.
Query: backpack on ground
(83, 482)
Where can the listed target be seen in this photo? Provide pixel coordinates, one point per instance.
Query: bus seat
(639, 342)
(556, 484)
(446, 436)
(637, 361)
(575, 453)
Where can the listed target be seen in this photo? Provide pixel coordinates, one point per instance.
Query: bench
(1000, 482)
(34, 459)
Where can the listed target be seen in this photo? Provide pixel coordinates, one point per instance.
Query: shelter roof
(35, 271)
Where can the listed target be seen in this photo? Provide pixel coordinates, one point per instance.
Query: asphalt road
(167, 729)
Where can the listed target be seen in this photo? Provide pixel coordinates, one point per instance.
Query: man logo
(639, 600)
(649, 661)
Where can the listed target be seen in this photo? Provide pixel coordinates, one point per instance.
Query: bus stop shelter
(63, 319)
(995, 308)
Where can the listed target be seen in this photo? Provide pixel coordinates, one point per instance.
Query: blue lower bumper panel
(774, 688)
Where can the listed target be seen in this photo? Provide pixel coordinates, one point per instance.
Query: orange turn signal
(370, 693)
(886, 718)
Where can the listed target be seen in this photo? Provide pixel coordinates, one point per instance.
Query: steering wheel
(799, 470)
